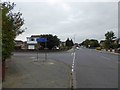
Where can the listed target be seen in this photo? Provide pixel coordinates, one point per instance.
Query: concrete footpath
(104, 51)
(32, 73)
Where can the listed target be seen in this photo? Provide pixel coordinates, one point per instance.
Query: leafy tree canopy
(52, 41)
(11, 24)
(69, 43)
(90, 43)
(109, 37)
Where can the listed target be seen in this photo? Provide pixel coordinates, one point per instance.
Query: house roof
(35, 35)
(19, 41)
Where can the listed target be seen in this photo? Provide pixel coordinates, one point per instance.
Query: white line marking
(32, 57)
(72, 70)
(73, 63)
(74, 58)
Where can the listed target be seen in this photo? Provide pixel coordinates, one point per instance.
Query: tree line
(90, 43)
(110, 42)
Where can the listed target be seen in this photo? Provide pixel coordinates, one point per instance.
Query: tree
(90, 43)
(52, 41)
(69, 43)
(109, 36)
(94, 43)
(86, 43)
(11, 24)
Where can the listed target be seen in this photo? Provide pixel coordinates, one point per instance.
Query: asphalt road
(96, 69)
(92, 69)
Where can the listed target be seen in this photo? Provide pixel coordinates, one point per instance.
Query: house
(62, 44)
(24, 45)
(117, 41)
(19, 44)
(102, 43)
(32, 43)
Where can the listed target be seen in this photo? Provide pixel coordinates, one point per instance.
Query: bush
(98, 48)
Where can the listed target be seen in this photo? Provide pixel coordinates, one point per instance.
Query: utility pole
(74, 43)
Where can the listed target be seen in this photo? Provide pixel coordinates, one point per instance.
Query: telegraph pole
(74, 43)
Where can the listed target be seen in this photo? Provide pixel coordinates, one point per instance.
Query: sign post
(37, 52)
(45, 41)
(45, 50)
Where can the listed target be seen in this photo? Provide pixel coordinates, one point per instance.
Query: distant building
(19, 45)
(77, 45)
(32, 42)
(62, 44)
(117, 41)
(102, 43)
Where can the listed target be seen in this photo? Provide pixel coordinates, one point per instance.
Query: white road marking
(32, 57)
(72, 70)
(73, 63)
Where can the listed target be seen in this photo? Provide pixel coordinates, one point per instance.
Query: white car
(77, 48)
(57, 48)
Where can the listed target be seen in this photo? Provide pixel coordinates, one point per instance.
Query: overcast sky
(68, 18)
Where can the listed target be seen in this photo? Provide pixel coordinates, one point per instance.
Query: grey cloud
(86, 20)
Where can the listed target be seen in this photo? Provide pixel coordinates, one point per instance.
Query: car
(77, 48)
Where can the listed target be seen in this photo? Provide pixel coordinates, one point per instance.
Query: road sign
(45, 41)
(41, 40)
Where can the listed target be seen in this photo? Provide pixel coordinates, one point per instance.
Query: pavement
(104, 51)
(28, 72)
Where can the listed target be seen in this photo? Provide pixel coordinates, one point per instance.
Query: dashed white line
(73, 63)
(72, 67)
(72, 72)
(33, 57)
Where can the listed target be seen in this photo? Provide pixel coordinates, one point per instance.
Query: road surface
(92, 69)
(96, 70)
